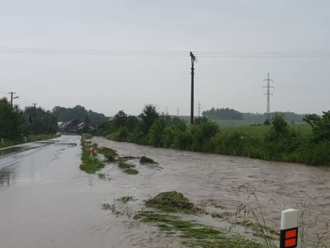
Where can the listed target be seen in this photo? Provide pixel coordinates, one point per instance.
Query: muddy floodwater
(46, 201)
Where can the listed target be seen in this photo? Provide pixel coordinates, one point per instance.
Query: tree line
(78, 112)
(282, 142)
(231, 114)
(16, 123)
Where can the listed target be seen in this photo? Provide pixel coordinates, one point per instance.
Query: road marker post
(289, 228)
(91, 152)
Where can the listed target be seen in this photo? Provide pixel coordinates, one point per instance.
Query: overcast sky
(110, 83)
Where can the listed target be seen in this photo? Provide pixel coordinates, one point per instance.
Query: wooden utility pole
(193, 58)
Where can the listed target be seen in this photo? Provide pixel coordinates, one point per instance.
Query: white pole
(289, 228)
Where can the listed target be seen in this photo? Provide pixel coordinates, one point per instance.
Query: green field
(230, 126)
(237, 123)
(258, 131)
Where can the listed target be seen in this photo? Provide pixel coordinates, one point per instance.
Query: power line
(255, 103)
(244, 103)
(132, 53)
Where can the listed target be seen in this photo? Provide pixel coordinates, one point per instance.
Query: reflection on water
(11, 150)
(15, 166)
(6, 176)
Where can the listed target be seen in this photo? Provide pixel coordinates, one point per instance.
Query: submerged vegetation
(146, 160)
(131, 171)
(193, 234)
(277, 142)
(126, 199)
(108, 153)
(196, 234)
(172, 202)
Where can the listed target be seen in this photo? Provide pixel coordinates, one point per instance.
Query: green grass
(197, 235)
(235, 123)
(172, 202)
(90, 165)
(260, 131)
(131, 171)
(108, 153)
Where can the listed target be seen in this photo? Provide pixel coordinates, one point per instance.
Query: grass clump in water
(200, 235)
(126, 199)
(124, 165)
(108, 153)
(146, 160)
(131, 171)
(172, 202)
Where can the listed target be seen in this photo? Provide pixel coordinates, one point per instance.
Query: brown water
(46, 201)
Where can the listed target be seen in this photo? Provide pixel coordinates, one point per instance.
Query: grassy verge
(90, 164)
(30, 138)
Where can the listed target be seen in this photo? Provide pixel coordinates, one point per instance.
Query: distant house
(84, 125)
(74, 126)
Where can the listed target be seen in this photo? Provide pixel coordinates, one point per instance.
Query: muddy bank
(215, 181)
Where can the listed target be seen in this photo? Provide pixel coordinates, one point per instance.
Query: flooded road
(46, 201)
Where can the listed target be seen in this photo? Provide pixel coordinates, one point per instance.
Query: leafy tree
(320, 126)
(200, 120)
(148, 117)
(280, 129)
(156, 132)
(12, 123)
(45, 122)
(202, 132)
(132, 123)
(120, 119)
